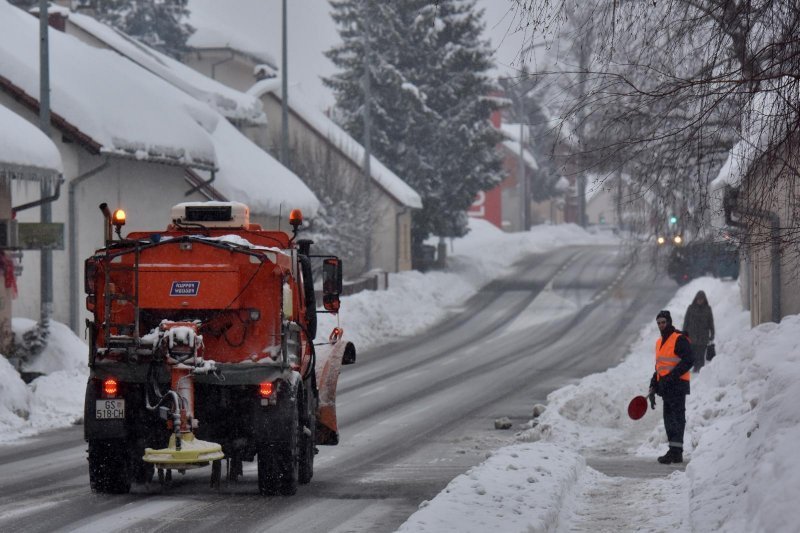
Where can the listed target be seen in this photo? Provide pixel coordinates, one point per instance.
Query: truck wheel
(109, 470)
(278, 463)
(307, 441)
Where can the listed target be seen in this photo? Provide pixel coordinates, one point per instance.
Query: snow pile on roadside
(415, 301)
(519, 488)
(50, 401)
(743, 424)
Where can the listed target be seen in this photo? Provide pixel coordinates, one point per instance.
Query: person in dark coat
(671, 382)
(698, 324)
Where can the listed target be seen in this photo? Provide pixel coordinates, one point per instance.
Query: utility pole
(284, 93)
(46, 214)
(584, 57)
(367, 132)
(523, 179)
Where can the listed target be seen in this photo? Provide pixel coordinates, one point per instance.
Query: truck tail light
(266, 389)
(110, 388)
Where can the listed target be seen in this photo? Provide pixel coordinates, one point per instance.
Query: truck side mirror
(331, 283)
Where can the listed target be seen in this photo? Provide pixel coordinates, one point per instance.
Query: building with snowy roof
(754, 198)
(28, 158)
(503, 205)
(128, 137)
(227, 55)
(314, 136)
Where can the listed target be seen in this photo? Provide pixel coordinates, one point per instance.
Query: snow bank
(745, 427)
(519, 488)
(743, 424)
(415, 301)
(51, 401)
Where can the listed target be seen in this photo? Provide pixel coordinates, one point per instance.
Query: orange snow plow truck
(202, 351)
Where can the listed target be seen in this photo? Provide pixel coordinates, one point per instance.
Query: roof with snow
(250, 175)
(212, 33)
(733, 169)
(229, 102)
(512, 143)
(317, 120)
(112, 104)
(134, 113)
(25, 152)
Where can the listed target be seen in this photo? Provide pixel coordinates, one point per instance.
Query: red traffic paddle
(637, 408)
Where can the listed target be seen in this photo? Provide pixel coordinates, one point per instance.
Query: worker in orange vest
(671, 382)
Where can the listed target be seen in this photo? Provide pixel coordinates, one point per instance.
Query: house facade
(27, 160)
(313, 135)
(771, 260)
(145, 190)
(134, 141)
(504, 205)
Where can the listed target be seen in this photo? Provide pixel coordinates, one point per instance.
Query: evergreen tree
(161, 24)
(428, 100)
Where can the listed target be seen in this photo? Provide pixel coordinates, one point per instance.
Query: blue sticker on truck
(184, 288)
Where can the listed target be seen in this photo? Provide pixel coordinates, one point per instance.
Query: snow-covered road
(413, 415)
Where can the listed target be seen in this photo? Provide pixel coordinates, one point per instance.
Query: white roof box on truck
(211, 214)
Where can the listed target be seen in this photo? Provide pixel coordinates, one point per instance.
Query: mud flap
(329, 364)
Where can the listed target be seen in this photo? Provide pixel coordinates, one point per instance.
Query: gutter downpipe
(729, 205)
(220, 62)
(74, 286)
(397, 216)
(41, 201)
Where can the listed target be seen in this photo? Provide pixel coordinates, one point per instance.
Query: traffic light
(673, 220)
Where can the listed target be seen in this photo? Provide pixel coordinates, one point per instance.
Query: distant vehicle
(719, 259)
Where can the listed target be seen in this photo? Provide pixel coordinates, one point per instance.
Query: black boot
(674, 455)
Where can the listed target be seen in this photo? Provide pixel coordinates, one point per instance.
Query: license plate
(105, 409)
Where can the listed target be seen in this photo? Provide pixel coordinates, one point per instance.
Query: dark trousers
(675, 418)
(699, 356)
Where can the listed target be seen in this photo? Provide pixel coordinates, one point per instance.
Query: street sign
(41, 235)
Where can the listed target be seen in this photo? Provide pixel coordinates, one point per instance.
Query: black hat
(665, 314)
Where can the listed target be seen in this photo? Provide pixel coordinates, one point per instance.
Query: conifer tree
(161, 24)
(428, 104)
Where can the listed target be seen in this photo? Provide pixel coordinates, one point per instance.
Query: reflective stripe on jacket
(666, 358)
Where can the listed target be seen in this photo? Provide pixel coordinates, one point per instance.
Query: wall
(783, 189)
(226, 66)
(391, 235)
(601, 208)
(6, 294)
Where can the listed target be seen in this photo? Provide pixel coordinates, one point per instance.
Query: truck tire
(109, 466)
(307, 441)
(278, 462)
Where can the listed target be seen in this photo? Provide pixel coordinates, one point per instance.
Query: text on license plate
(110, 408)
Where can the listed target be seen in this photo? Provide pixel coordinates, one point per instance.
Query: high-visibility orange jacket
(666, 358)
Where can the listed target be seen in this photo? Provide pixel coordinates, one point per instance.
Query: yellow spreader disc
(193, 453)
